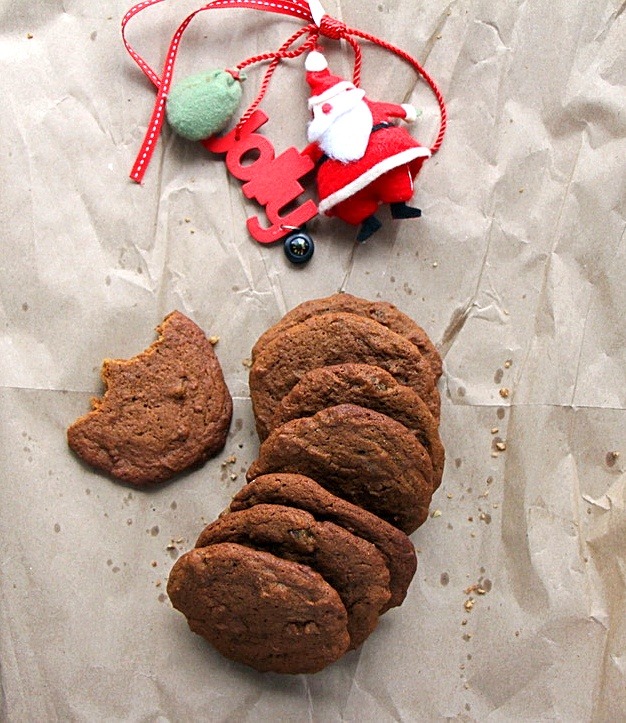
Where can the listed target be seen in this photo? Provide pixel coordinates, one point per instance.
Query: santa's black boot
(368, 227)
(401, 210)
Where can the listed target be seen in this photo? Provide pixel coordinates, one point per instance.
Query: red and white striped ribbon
(318, 24)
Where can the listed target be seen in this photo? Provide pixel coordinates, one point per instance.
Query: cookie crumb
(504, 392)
(247, 363)
(436, 513)
(477, 588)
(154, 563)
(469, 604)
(213, 340)
(494, 430)
(611, 458)
(501, 446)
(29, 36)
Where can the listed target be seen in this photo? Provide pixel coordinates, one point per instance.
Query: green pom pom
(201, 105)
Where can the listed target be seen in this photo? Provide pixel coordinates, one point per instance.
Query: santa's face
(342, 123)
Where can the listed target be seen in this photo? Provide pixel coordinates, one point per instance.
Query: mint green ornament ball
(201, 105)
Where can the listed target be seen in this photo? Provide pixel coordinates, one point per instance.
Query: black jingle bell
(299, 247)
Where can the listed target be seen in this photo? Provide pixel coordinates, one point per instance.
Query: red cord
(421, 71)
(282, 53)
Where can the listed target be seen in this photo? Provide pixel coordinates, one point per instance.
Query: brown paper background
(515, 269)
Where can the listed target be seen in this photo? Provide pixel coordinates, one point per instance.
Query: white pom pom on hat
(315, 62)
(324, 85)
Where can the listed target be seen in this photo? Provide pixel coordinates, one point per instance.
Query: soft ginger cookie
(381, 311)
(260, 610)
(294, 490)
(334, 338)
(370, 387)
(360, 455)
(163, 411)
(351, 565)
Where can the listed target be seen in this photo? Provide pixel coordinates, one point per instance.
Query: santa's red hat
(324, 85)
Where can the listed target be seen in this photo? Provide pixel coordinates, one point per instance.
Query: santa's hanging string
(363, 158)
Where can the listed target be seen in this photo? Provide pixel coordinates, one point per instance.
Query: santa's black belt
(377, 127)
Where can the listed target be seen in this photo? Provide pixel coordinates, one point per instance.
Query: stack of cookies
(315, 548)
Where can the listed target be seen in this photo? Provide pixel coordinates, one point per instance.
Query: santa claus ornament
(360, 151)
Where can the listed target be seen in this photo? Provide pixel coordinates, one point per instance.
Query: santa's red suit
(352, 189)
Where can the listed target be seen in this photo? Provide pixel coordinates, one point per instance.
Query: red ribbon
(329, 27)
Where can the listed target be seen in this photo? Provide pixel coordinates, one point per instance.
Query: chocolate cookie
(381, 311)
(163, 411)
(293, 490)
(370, 387)
(351, 565)
(328, 339)
(260, 610)
(360, 455)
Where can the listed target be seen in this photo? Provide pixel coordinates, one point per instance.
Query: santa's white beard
(343, 135)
